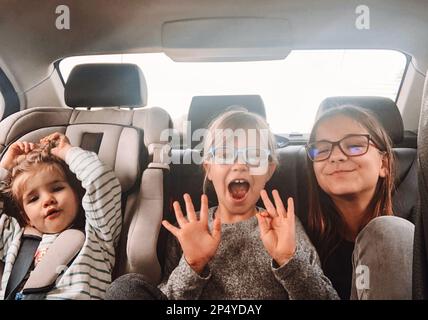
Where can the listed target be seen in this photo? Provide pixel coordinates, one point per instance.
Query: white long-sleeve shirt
(89, 275)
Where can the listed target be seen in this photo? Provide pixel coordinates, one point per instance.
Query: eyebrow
(27, 194)
(346, 136)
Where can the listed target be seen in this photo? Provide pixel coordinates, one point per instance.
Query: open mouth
(238, 188)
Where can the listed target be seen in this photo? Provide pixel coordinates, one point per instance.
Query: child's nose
(337, 154)
(239, 165)
(48, 200)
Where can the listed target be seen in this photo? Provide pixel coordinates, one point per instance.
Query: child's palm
(16, 149)
(277, 228)
(280, 236)
(199, 245)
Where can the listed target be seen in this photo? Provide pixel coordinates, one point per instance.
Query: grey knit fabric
(243, 269)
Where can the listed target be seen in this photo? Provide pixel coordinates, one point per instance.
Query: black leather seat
(204, 109)
(290, 178)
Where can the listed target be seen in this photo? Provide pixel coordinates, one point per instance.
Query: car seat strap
(22, 265)
(61, 252)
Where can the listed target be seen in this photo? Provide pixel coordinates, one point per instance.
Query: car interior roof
(277, 26)
(109, 26)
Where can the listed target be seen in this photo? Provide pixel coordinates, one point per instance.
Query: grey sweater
(243, 269)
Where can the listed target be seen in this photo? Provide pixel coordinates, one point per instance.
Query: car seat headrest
(385, 110)
(106, 85)
(204, 109)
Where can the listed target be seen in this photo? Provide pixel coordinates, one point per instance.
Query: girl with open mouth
(235, 250)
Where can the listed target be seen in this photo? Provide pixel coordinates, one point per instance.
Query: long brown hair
(326, 225)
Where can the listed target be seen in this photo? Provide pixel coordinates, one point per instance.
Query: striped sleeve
(9, 227)
(102, 199)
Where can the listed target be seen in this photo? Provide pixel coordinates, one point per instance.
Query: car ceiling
(29, 41)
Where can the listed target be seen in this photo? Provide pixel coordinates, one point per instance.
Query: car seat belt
(22, 265)
(55, 262)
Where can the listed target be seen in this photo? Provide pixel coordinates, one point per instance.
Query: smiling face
(341, 175)
(48, 200)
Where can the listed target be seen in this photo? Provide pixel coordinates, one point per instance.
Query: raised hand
(277, 228)
(16, 149)
(199, 245)
(59, 143)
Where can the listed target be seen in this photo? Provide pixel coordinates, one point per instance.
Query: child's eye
(32, 199)
(57, 188)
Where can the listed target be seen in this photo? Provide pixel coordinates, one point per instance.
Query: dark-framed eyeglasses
(352, 145)
(252, 156)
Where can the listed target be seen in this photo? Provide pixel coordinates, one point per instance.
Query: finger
(270, 208)
(20, 145)
(216, 233)
(55, 135)
(65, 139)
(190, 209)
(44, 140)
(49, 137)
(204, 209)
(279, 204)
(264, 214)
(24, 146)
(290, 210)
(55, 138)
(58, 139)
(61, 139)
(263, 224)
(27, 147)
(32, 146)
(171, 228)
(179, 214)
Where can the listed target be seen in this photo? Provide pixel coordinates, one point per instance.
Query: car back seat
(290, 177)
(127, 140)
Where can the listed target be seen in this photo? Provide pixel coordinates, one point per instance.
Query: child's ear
(384, 166)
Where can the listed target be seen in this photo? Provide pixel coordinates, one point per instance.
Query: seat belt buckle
(19, 296)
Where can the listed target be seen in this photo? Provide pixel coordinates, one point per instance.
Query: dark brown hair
(326, 225)
(30, 163)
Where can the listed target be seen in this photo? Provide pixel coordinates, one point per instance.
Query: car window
(291, 89)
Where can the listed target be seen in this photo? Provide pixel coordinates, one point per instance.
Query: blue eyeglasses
(227, 155)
